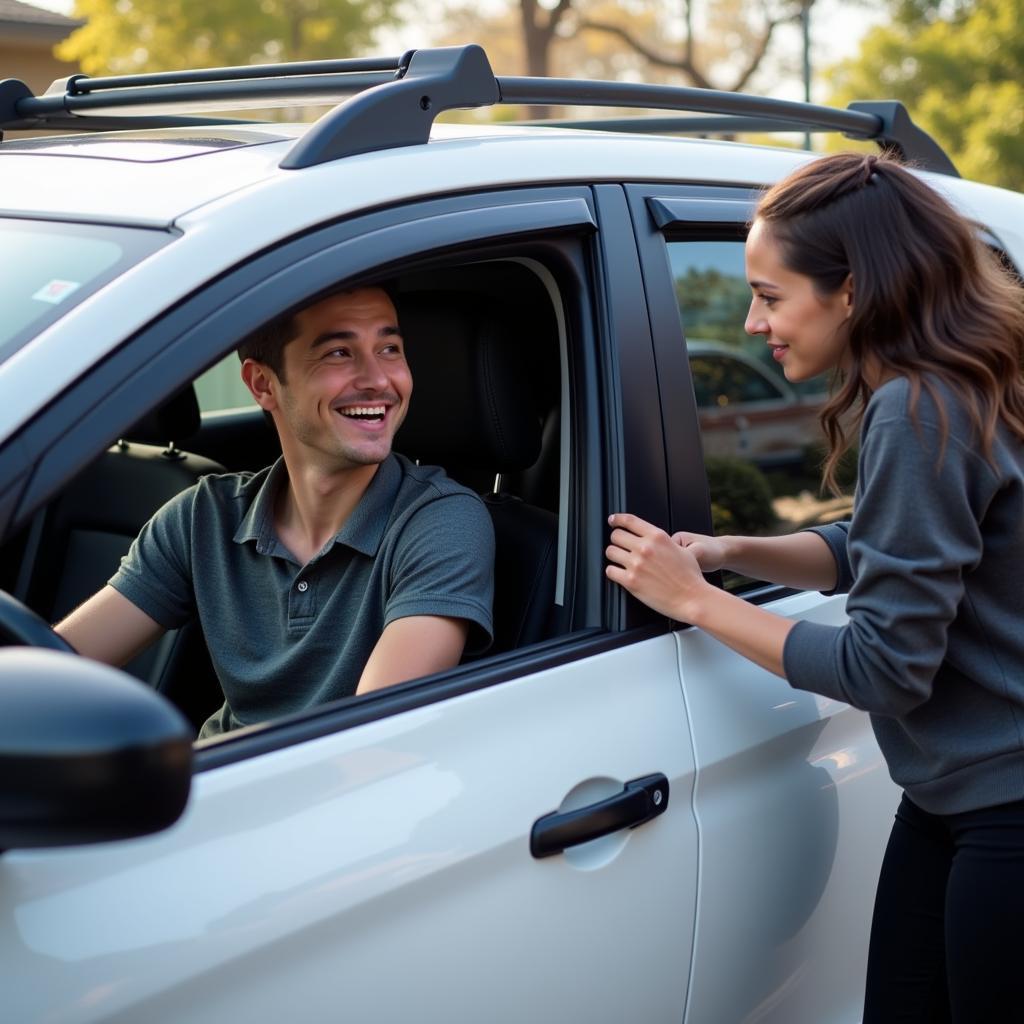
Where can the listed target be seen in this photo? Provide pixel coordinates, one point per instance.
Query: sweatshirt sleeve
(836, 536)
(914, 534)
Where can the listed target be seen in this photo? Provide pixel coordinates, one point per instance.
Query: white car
(608, 817)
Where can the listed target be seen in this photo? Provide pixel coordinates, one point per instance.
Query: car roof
(152, 178)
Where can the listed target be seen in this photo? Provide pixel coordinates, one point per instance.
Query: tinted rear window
(48, 268)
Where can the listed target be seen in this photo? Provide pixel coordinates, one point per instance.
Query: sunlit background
(956, 64)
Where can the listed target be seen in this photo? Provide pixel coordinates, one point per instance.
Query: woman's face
(807, 332)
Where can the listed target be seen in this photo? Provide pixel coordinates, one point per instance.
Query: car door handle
(639, 801)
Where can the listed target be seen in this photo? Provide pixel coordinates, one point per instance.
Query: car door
(792, 798)
(380, 859)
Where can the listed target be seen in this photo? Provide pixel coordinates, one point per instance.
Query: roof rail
(400, 113)
(884, 121)
(74, 103)
(393, 102)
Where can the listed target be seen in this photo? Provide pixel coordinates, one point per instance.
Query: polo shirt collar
(258, 522)
(364, 529)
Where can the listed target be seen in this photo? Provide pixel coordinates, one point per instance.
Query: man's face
(348, 384)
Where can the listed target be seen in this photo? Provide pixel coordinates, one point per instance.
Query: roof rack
(81, 103)
(392, 102)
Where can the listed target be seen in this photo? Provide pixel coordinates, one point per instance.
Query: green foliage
(959, 69)
(713, 304)
(722, 520)
(128, 36)
(740, 495)
(924, 12)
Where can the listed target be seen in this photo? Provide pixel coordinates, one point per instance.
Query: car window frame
(691, 212)
(665, 212)
(177, 345)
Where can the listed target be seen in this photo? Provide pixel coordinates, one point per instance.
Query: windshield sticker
(56, 291)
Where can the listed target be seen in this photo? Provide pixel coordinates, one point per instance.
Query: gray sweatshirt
(933, 560)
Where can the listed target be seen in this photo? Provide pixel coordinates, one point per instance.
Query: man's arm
(109, 628)
(411, 647)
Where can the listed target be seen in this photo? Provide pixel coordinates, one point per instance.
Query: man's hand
(411, 647)
(109, 628)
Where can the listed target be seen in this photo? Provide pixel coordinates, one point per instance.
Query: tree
(731, 47)
(539, 26)
(958, 68)
(128, 36)
(715, 45)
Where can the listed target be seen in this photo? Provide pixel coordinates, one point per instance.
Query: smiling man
(340, 569)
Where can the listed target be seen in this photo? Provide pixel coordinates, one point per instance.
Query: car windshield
(49, 267)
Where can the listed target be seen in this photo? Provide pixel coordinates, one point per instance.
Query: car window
(50, 267)
(763, 446)
(720, 381)
(448, 313)
(221, 388)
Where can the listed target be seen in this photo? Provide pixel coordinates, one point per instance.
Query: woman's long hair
(930, 299)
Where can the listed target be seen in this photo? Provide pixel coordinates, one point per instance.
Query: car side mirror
(87, 753)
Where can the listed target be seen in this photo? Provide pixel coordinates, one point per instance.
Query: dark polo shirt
(284, 636)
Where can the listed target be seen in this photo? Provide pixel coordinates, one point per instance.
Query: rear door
(380, 859)
(792, 798)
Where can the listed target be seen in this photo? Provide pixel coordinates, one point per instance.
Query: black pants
(947, 938)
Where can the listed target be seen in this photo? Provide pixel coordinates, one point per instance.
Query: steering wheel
(20, 625)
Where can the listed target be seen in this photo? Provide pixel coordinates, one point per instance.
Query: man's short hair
(267, 343)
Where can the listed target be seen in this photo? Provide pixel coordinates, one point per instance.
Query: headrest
(472, 405)
(175, 420)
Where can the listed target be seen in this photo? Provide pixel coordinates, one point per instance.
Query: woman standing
(858, 267)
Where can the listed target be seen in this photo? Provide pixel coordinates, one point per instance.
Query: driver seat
(76, 542)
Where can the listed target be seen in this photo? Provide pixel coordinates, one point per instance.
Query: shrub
(741, 497)
(722, 520)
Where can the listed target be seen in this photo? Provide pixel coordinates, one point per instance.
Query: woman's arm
(803, 561)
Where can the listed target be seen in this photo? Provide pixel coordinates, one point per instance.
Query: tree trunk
(539, 28)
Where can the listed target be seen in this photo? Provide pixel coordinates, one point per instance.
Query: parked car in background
(747, 412)
(608, 816)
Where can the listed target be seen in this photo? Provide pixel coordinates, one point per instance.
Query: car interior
(486, 349)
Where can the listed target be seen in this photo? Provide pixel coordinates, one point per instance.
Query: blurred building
(28, 35)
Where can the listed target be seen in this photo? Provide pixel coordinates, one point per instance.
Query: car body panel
(106, 171)
(387, 867)
(793, 802)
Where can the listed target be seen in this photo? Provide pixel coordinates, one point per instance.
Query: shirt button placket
(301, 604)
